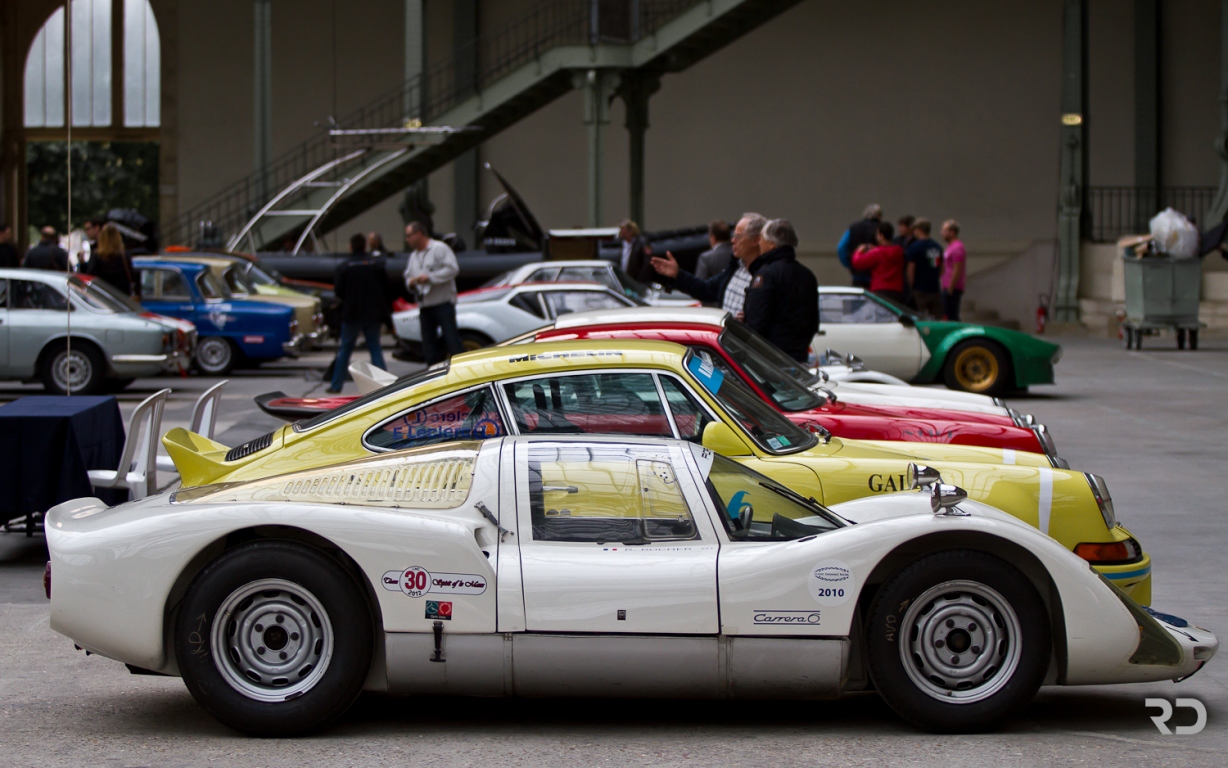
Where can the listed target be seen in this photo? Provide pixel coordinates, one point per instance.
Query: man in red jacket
(885, 262)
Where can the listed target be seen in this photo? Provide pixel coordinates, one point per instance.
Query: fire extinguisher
(1042, 313)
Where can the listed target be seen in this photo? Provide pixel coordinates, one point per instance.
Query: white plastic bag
(1174, 234)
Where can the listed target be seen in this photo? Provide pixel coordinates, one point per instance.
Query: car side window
(30, 294)
(469, 416)
(4, 293)
(548, 275)
(529, 303)
(598, 403)
(599, 494)
(590, 275)
(172, 286)
(566, 302)
(689, 416)
(839, 308)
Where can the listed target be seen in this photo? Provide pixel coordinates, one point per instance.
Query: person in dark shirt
(782, 299)
(8, 252)
(110, 262)
(361, 282)
(922, 268)
(859, 233)
(47, 254)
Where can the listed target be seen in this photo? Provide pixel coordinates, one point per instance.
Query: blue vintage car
(229, 330)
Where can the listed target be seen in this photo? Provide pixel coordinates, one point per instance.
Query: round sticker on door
(415, 581)
(832, 583)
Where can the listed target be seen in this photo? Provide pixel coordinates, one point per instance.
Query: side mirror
(720, 438)
(921, 476)
(944, 498)
(908, 321)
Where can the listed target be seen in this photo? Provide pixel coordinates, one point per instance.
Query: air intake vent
(250, 447)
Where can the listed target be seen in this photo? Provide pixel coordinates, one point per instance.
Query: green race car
(891, 339)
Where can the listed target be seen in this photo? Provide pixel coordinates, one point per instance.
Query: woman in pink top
(954, 269)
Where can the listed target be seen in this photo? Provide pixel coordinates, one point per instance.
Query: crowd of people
(104, 257)
(905, 264)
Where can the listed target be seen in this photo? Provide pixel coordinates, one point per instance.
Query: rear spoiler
(198, 459)
(280, 405)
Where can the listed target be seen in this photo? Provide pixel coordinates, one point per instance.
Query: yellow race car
(655, 388)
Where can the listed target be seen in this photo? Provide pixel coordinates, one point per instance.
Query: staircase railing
(442, 85)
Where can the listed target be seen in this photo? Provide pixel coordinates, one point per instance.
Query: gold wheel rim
(976, 369)
(470, 345)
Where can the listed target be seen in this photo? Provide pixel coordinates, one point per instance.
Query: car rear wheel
(274, 639)
(76, 367)
(977, 365)
(215, 356)
(958, 641)
(471, 340)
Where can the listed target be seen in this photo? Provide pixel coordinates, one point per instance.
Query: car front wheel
(979, 366)
(958, 641)
(274, 639)
(215, 356)
(75, 368)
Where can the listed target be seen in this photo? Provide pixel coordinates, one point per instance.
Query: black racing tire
(1193, 339)
(78, 365)
(930, 616)
(472, 340)
(216, 356)
(978, 365)
(327, 635)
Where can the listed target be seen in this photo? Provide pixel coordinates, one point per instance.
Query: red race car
(739, 351)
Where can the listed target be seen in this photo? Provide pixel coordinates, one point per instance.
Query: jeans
(437, 321)
(349, 335)
(950, 303)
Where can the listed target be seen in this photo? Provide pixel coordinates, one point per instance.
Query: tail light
(1109, 552)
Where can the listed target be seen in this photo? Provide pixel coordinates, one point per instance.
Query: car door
(36, 313)
(854, 323)
(614, 538)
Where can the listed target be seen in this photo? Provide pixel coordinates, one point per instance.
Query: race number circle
(832, 583)
(415, 581)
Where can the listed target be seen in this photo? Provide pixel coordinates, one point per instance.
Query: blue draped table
(47, 444)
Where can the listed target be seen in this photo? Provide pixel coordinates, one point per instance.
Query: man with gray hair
(782, 302)
(729, 286)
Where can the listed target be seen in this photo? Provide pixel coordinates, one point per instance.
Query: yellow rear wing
(199, 460)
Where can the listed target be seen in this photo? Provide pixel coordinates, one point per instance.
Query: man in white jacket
(430, 276)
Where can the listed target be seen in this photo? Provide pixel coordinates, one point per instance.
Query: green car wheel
(978, 365)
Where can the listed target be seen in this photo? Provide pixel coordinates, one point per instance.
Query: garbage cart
(1161, 292)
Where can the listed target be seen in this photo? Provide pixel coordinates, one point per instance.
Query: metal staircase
(502, 77)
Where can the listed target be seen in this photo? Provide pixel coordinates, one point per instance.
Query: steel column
(1219, 208)
(598, 88)
(1146, 110)
(1073, 176)
(465, 167)
(635, 90)
(263, 106)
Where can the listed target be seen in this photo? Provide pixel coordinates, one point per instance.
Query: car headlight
(293, 328)
(1100, 490)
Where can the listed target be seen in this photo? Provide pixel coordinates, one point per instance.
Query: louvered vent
(250, 447)
(422, 478)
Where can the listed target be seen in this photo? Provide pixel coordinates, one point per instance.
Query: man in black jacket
(47, 254)
(8, 253)
(361, 282)
(782, 302)
(727, 288)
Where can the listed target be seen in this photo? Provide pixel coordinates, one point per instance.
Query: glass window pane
(598, 404)
(174, 287)
(142, 65)
(28, 294)
(590, 275)
(91, 62)
(566, 302)
(471, 416)
(775, 511)
(45, 75)
(688, 415)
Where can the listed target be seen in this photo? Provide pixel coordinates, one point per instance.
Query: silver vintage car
(112, 340)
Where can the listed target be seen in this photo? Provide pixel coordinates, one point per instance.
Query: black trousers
(439, 325)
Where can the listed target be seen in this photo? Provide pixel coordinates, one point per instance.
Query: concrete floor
(1153, 423)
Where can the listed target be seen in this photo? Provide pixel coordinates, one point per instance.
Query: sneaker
(332, 391)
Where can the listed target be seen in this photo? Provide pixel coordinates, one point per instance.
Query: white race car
(600, 271)
(490, 315)
(582, 566)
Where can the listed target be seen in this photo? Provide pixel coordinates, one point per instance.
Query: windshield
(100, 294)
(769, 368)
(236, 281)
(893, 305)
(258, 276)
(632, 287)
(773, 432)
(211, 287)
(400, 385)
(749, 343)
(775, 512)
(497, 280)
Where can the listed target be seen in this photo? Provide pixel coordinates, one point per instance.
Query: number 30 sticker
(832, 583)
(414, 581)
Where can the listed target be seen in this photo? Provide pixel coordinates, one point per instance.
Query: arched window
(92, 82)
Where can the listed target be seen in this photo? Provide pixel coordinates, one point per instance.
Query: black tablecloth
(46, 445)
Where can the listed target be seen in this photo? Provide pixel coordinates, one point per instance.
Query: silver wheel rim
(272, 640)
(960, 642)
(71, 369)
(213, 354)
